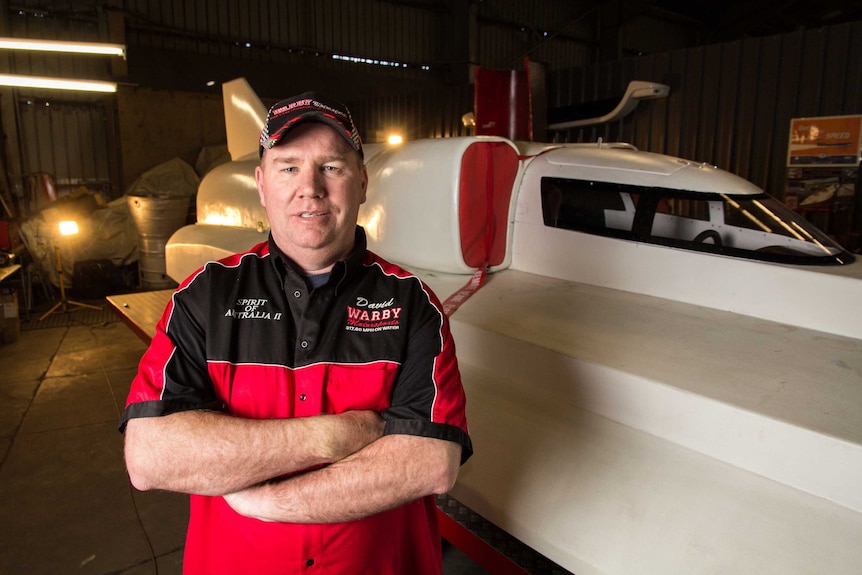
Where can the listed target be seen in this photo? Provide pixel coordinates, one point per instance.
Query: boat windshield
(756, 227)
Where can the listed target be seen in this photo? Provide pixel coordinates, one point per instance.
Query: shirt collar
(289, 271)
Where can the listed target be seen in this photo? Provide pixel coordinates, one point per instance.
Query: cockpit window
(756, 227)
(592, 208)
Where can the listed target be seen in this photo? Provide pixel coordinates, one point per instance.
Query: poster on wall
(828, 141)
(823, 159)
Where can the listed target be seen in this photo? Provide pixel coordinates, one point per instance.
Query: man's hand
(249, 502)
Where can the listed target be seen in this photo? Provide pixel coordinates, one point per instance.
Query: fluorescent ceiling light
(56, 83)
(61, 46)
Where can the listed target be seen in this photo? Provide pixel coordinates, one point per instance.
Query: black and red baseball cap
(308, 107)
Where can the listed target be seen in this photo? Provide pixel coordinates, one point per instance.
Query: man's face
(311, 186)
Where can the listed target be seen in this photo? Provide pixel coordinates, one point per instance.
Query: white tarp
(106, 232)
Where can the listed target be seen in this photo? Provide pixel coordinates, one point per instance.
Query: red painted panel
(488, 171)
(502, 104)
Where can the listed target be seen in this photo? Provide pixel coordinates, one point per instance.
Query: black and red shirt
(247, 335)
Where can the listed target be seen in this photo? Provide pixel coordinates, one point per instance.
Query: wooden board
(141, 311)
(8, 271)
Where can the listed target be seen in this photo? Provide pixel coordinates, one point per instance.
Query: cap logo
(286, 114)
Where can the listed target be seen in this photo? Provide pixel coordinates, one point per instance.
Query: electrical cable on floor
(131, 489)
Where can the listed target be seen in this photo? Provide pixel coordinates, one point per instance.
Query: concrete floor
(66, 505)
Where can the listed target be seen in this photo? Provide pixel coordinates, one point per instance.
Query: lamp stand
(67, 304)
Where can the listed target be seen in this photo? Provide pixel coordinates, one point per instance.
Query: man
(306, 393)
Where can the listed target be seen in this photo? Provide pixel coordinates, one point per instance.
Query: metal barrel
(156, 218)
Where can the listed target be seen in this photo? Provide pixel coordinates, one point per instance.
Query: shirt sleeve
(172, 375)
(428, 397)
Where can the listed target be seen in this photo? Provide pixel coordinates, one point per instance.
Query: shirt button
(302, 397)
(309, 563)
(297, 293)
(303, 344)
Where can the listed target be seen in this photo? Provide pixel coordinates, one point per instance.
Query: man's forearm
(209, 453)
(390, 472)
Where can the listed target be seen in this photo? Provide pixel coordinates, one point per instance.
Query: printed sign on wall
(829, 141)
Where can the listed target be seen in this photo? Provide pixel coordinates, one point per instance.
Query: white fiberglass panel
(411, 214)
(227, 196)
(190, 247)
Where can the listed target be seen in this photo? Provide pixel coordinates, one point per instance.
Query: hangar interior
(738, 74)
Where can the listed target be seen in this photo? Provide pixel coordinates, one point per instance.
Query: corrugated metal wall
(60, 134)
(406, 35)
(30, 20)
(66, 140)
(558, 33)
(403, 38)
(416, 53)
(430, 114)
(411, 33)
(730, 104)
